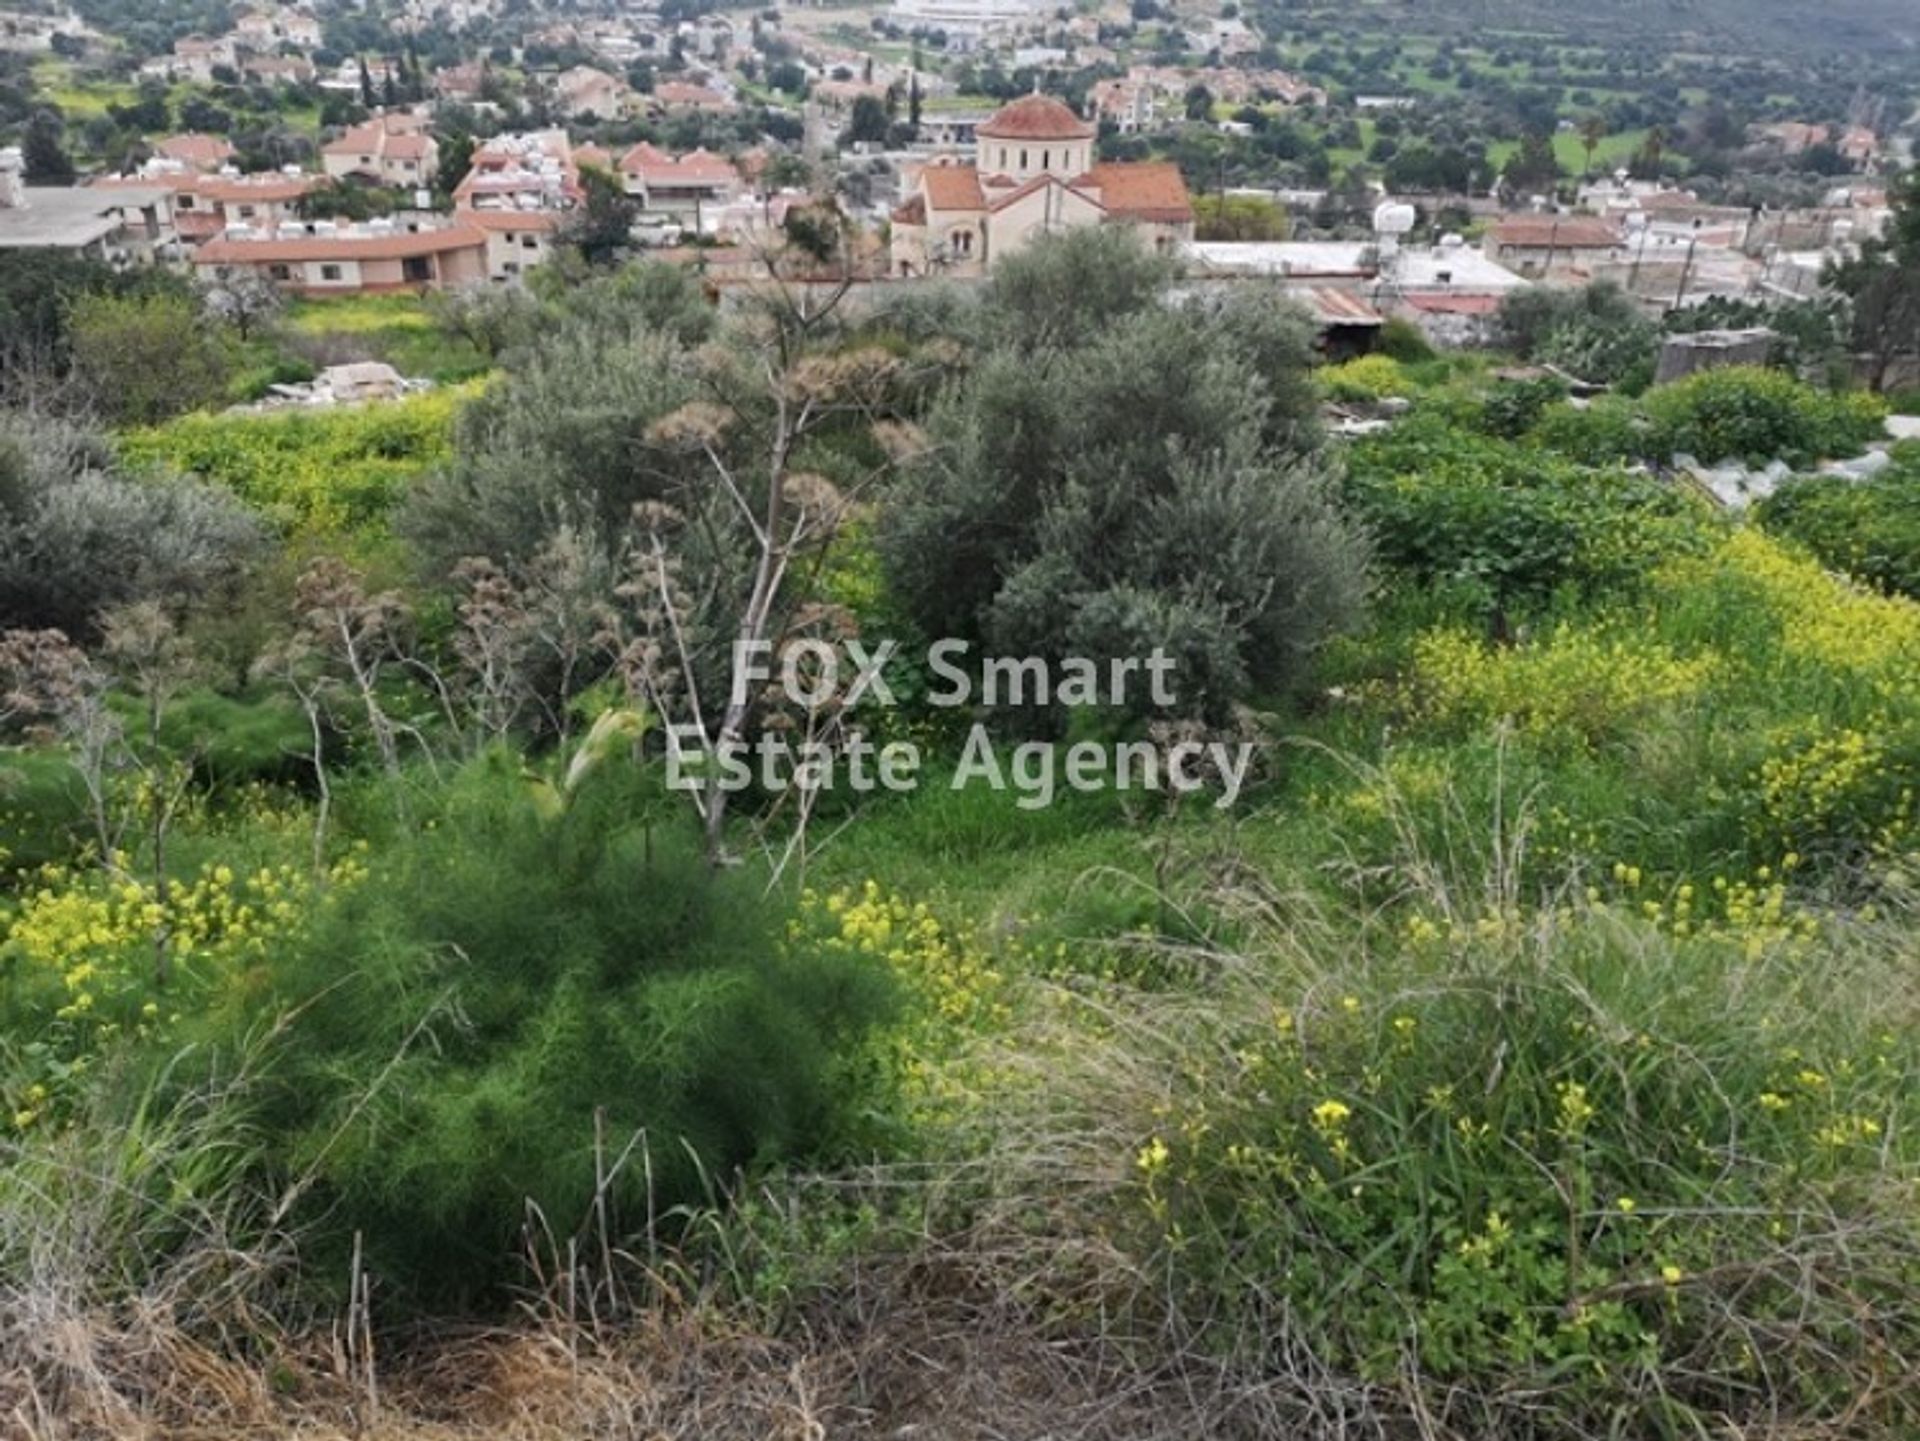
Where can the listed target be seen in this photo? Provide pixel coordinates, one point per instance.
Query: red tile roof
(658, 167)
(914, 212)
(1019, 192)
(677, 92)
(395, 134)
(1146, 190)
(1036, 117)
(952, 187)
(1561, 232)
(283, 246)
(209, 152)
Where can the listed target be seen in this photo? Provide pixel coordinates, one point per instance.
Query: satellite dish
(1394, 218)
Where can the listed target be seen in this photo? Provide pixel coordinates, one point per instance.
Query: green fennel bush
(458, 1022)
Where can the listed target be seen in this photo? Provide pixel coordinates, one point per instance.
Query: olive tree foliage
(1064, 293)
(700, 466)
(78, 536)
(1147, 474)
(143, 359)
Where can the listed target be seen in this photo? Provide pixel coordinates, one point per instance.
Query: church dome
(1035, 117)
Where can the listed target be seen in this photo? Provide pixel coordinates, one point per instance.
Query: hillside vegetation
(1523, 1047)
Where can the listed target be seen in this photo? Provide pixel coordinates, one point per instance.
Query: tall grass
(142, 1274)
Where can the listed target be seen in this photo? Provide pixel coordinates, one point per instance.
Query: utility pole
(1686, 270)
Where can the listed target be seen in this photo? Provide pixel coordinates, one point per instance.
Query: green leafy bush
(1403, 341)
(1157, 481)
(1606, 432)
(1512, 406)
(1746, 413)
(1868, 528)
(1443, 504)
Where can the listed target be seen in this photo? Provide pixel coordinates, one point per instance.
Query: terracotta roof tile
(1149, 190)
(1565, 232)
(696, 167)
(952, 187)
(285, 247)
(194, 148)
(1036, 117)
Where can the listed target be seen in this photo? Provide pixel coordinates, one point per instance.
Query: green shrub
(1512, 406)
(1746, 413)
(1870, 528)
(1124, 495)
(1405, 342)
(460, 1018)
(1604, 433)
(1443, 504)
(1605, 350)
(79, 535)
(1367, 379)
(325, 472)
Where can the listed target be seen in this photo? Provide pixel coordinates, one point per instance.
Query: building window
(280, 272)
(329, 272)
(1023, 160)
(1046, 160)
(246, 212)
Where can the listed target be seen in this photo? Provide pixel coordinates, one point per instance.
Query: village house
(686, 188)
(268, 29)
(344, 78)
(392, 148)
(516, 240)
(463, 83)
(205, 153)
(585, 93)
(1033, 174)
(967, 24)
(195, 58)
(121, 226)
(1543, 247)
(1128, 104)
(710, 37)
(324, 258)
(205, 206)
(518, 193)
(288, 70)
(29, 34)
(1859, 147)
(679, 95)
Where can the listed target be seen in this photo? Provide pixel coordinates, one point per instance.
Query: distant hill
(1876, 26)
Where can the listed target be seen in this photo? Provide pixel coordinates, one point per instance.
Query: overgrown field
(386, 1048)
